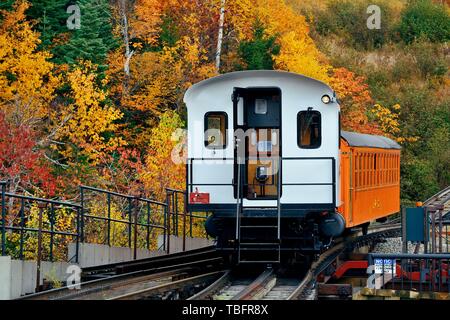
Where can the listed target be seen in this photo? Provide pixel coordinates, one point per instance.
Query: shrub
(429, 58)
(423, 18)
(418, 180)
(349, 20)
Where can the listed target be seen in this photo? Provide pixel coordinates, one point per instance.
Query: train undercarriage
(265, 240)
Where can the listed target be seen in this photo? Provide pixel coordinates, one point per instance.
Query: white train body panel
(309, 176)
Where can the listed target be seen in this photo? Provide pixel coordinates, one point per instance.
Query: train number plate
(199, 198)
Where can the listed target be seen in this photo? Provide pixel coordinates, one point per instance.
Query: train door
(258, 127)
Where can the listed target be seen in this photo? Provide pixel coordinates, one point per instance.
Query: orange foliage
(148, 19)
(354, 94)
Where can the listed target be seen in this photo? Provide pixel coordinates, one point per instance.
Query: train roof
(274, 76)
(371, 141)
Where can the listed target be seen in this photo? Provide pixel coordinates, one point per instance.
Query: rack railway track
(273, 285)
(440, 198)
(202, 275)
(111, 281)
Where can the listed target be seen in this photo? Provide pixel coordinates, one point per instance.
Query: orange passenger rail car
(370, 178)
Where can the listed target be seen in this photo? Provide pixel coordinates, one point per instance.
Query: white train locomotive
(264, 159)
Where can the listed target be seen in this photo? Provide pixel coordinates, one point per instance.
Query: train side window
(309, 129)
(216, 126)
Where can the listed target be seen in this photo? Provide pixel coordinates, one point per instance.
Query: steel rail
(136, 265)
(109, 286)
(258, 287)
(216, 286)
(89, 287)
(437, 197)
(255, 289)
(168, 287)
(124, 270)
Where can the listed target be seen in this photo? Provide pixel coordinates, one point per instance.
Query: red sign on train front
(199, 198)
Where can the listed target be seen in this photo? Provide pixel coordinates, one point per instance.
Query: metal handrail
(132, 212)
(190, 184)
(172, 208)
(42, 203)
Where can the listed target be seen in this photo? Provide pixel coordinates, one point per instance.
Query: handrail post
(174, 215)
(108, 199)
(165, 227)
(3, 185)
(136, 213)
(39, 248)
(77, 245)
(184, 220)
(22, 226)
(238, 196)
(130, 220)
(279, 199)
(148, 225)
(52, 228)
(82, 214)
(168, 221)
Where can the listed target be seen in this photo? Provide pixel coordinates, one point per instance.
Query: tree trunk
(126, 40)
(220, 37)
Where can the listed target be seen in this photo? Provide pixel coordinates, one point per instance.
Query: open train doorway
(258, 120)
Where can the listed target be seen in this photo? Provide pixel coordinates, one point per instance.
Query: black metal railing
(437, 225)
(31, 227)
(190, 184)
(410, 272)
(101, 217)
(130, 220)
(177, 203)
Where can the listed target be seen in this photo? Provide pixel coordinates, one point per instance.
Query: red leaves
(21, 161)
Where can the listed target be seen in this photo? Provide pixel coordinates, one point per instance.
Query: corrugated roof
(366, 140)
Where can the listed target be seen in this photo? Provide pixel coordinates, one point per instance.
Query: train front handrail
(190, 184)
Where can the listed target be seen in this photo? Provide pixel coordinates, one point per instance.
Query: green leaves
(258, 53)
(50, 19)
(423, 18)
(94, 40)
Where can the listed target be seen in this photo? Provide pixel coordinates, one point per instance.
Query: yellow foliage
(148, 18)
(300, 56)
(298, 51)
(389, 123)
(240, 16)
(87, 119)
(65, 221)
(161, 169)
(27, 84)
(164, 76)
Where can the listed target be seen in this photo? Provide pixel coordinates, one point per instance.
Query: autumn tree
(22, 161)
(163, 165)
(27, 84)
(89, 125)
(356, 101)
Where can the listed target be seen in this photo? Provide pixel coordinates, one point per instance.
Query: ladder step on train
(258, 239)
